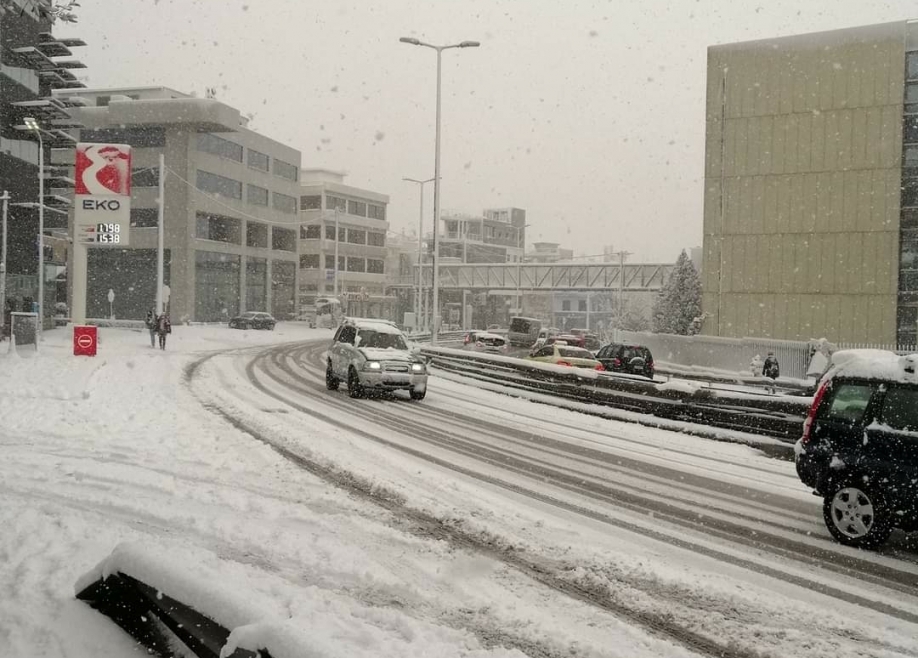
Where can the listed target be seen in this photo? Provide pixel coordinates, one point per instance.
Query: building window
(256, 284)
(215, 184)
(311, 232)
(285, 170)
(309, 262)
(311, 202)
(216, 283)
(138, 137)
(144, 177)
(356, 264)
(358, 208)
(218, 228)
(355, 236)
(256, 235)
(329, 232)
(375, 266)
(284, 203)
(220, 147)
(257, 160)
(581, 305)
(910, 193)
(330, 262)
(566, 305)
(144, 217)
(335, 203)
(911, 66)
(257, 196)
(283, 239)
(375, 239)
(376, 212)
(910, 130)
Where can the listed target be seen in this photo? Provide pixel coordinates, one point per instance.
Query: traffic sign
(85, 340)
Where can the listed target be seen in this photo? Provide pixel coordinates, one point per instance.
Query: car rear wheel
(417, 395)
(354, 388)
(857, 515)
(331, 382)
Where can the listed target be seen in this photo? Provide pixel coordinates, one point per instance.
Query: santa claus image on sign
(103, 169)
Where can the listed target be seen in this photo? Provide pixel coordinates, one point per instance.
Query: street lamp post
(32, 125)
(436, 246)
(417, 300)
(519, 267)
(336, 249)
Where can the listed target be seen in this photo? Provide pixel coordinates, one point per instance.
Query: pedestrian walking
(150, 322)
(163, 328)
(772, 370)
(756, 365)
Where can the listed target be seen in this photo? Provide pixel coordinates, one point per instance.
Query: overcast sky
(590, 115)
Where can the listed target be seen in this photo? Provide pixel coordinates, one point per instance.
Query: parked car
(374, 355)
(567, 339)
(859, 449)
(591, 342)
(565, 355)
(523, 332)
(484, 341)
(253, 320)
(544, 334)
(630, 359)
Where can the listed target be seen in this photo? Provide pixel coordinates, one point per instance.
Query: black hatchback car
(859, 449)
(631, 359)
(253, 320)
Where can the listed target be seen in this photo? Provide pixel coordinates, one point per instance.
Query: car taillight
(599, 367)
(564, 363)
(616, 362)
(466, 340)
(811, 414)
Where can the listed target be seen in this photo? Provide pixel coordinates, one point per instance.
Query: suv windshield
(379, 340)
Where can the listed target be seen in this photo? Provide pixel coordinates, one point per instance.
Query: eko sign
(102, 203)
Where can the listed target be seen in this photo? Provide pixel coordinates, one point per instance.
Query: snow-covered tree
(678, 305)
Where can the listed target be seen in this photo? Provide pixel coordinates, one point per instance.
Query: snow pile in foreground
(266, 612)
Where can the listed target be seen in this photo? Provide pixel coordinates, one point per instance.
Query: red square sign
(85, 340)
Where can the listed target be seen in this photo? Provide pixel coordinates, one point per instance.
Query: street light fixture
(417, 303)
(32, 125)
(436, 245)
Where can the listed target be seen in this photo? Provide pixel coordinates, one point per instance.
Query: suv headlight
(417, 367)
(372, 365)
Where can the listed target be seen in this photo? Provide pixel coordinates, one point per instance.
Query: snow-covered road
(478, 522)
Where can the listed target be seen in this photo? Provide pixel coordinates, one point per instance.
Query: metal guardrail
(780, 417)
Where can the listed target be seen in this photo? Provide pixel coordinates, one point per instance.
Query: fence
(736, 354)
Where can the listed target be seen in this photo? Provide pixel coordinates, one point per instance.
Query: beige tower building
(811, 187)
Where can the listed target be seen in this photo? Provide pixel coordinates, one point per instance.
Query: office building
(230, 208)
(32, 64)
(811, 187)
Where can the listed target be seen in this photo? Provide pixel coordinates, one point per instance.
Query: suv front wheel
(354, 387)
(856, 515)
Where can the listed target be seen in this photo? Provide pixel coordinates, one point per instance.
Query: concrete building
(548, 252)
(498, 235)
(32, 64)
(230, 212)
(811, 186)
(361, 239)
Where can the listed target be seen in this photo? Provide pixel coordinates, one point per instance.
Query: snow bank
(263, 611)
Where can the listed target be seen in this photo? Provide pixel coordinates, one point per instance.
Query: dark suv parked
(632, 359)
(859, 449)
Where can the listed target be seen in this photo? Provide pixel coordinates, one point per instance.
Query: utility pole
(621, 289)
(160, 251)
(336, 249)
(6, 200)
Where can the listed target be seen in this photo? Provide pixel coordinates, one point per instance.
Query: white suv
(373, 354)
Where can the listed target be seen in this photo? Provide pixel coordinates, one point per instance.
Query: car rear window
(520, 326)
(848, 403)
(900, 409)
(492, 341)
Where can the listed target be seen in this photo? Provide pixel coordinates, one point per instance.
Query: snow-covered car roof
(874, 364)
(484, 334)
(379, 326)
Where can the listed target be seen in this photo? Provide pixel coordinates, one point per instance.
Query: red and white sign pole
(102, 210)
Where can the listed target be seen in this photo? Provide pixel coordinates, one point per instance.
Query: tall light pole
(32, 125)
(417, 299)
(519, 267)
(436, 243)
(337, 240)
(5, 198)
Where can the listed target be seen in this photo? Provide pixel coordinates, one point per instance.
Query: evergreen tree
(678, 304)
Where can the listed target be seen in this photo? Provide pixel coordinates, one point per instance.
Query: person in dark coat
(150, 322)
(163, 327)
(771, 369)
